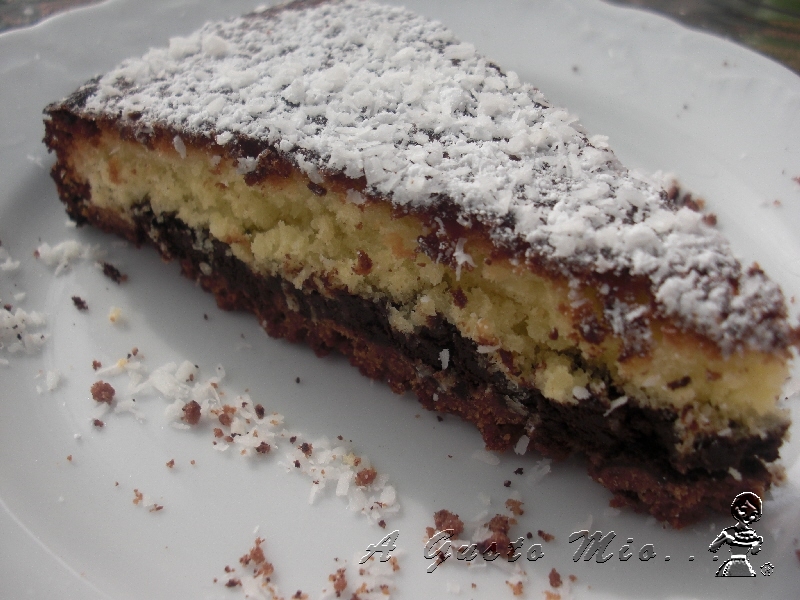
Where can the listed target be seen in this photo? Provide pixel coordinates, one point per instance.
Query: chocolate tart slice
(363, 181)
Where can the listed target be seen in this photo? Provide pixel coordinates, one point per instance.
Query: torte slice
(365, 182)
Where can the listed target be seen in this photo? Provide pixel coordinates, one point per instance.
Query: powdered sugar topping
(379, 93)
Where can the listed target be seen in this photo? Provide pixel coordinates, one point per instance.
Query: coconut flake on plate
(51, 381)
(17, 331)
(539, 470)
(487, 457)
(522, 445)
(8, 264)
(238, 425)
(63, 255)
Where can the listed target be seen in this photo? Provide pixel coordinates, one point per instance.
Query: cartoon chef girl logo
(746, 509)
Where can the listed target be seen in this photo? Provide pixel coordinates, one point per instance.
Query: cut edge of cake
(447, 296)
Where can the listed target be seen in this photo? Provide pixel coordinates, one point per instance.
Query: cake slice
(363, 181)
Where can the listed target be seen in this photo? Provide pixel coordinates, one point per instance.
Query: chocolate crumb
(80, 303)
(499, 526)
(339, 581)
(515, 506)
(507, 483)
(171, 463)
(255, 555)
(516, 588)
(265, 570)
(69, 457)
(692, 204)
(233, 582)
(191, 413)
(297, 380)
(529, 535)
(547, 537)
(382, 524)
(98, 423)
(218, 433)
(225, 419)
(573, 579)
(102, 392)
(365, 477)
(297, 464)
(306, 448)
(260, 411)
(293, 439)
(113, 273)
(263, 448)
(555, 578)
(156, 508)
(205, 316)
(518, 471)
(96, 364)
(446, 520)
(439, 418)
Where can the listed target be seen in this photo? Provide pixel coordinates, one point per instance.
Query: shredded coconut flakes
(62, 255)
(378, 92)
(248, 428)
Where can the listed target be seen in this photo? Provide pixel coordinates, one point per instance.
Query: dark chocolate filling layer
(630, 430)
(632, 451)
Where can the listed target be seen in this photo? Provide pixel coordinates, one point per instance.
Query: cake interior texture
(670, 419)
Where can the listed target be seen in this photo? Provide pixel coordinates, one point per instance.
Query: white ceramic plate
(723, 118)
